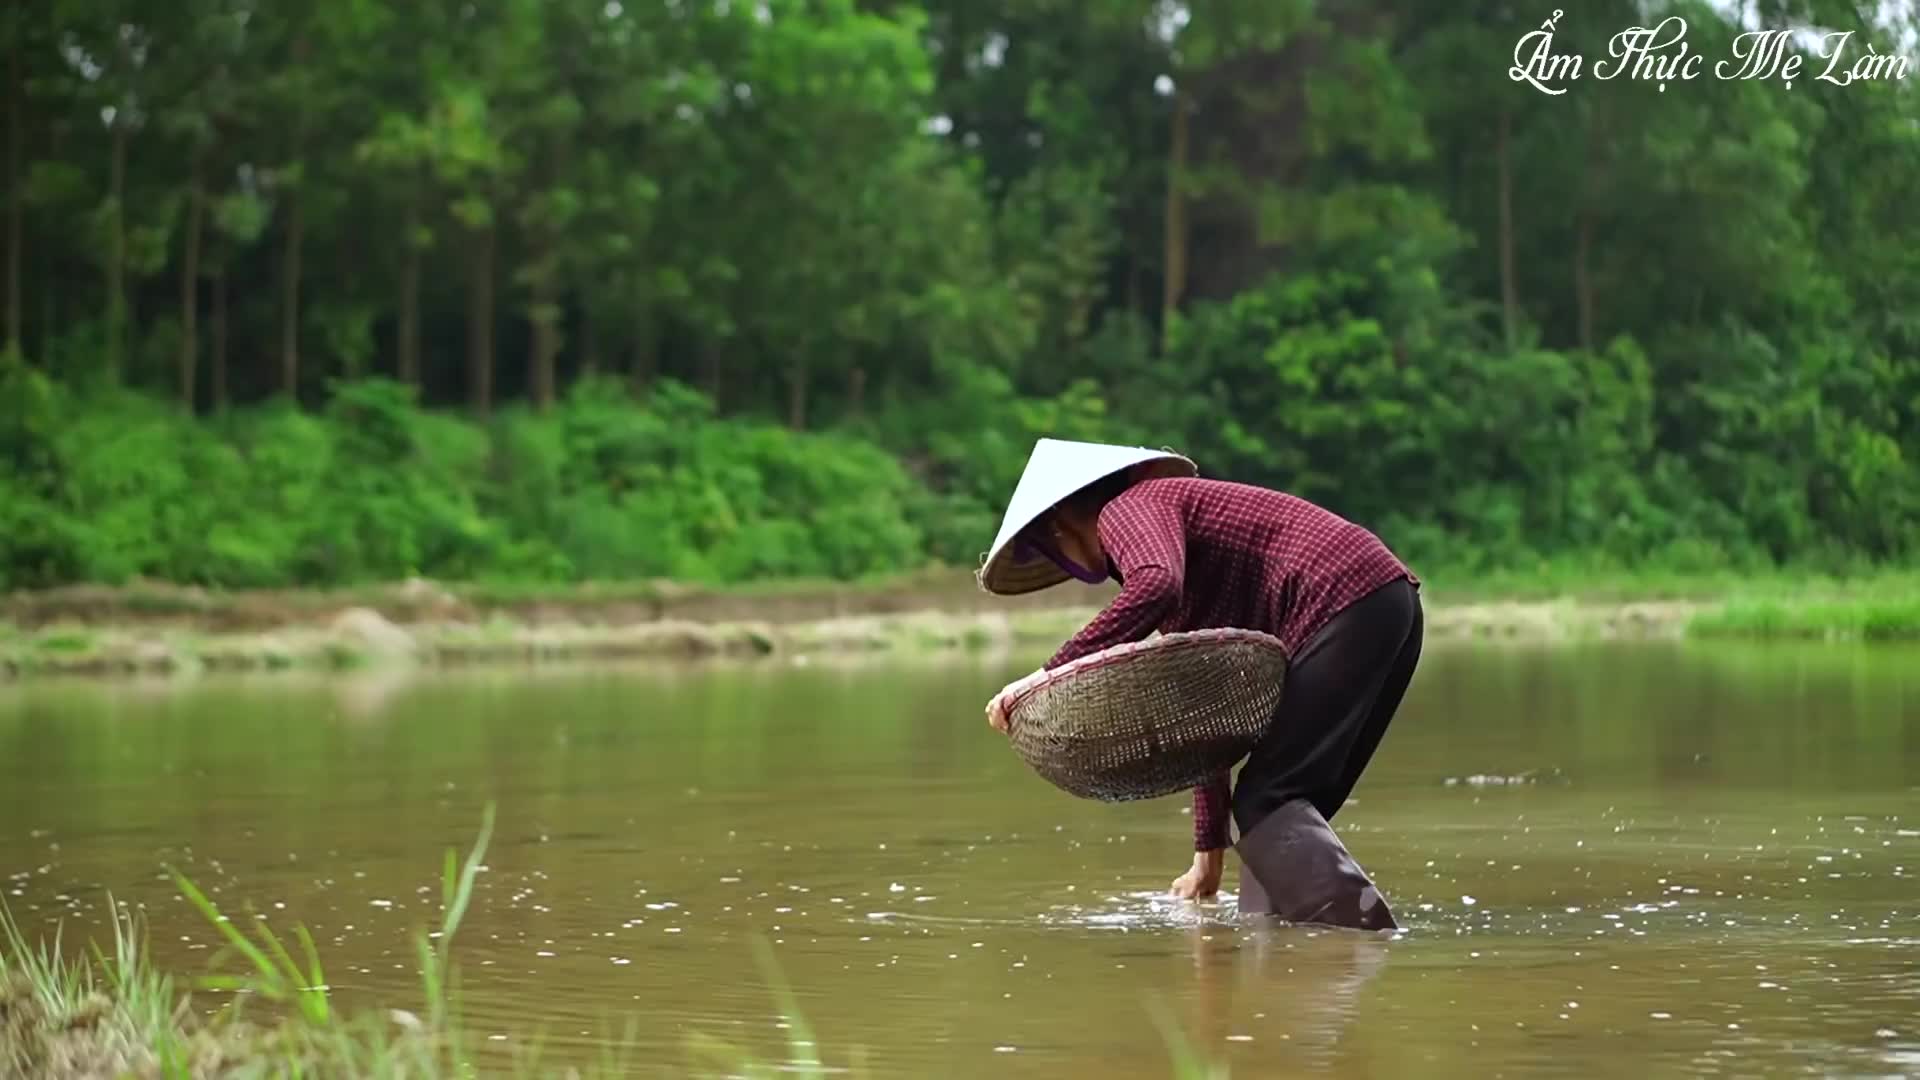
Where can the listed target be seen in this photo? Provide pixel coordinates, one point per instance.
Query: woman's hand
(1204, 879)
(997, 712)
(1002, 702)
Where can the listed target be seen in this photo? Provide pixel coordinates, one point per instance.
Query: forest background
(327, 292)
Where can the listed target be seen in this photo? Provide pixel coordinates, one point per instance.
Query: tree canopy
(338, 289)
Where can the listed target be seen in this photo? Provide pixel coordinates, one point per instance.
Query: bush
(1468, 462)
(374, 488)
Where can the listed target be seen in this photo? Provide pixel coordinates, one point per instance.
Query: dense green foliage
(373, 488)
(552, 291)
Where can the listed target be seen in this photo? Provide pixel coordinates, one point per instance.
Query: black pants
(1342, 690)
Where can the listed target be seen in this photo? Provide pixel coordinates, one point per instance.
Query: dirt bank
(158, 630)
(417, 602)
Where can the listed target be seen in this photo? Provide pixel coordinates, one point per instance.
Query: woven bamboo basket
(1149, 718)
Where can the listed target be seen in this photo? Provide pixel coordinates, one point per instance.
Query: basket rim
(1185, 639)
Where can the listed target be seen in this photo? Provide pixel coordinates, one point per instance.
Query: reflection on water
(1631, 860)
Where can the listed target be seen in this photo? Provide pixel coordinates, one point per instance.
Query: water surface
(1611, 860)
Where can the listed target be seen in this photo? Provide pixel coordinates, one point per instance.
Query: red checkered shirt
(1192, 554)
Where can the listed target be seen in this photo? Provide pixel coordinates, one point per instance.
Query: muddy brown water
(1705, 860)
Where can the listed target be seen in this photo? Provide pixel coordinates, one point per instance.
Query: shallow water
(1706, 863)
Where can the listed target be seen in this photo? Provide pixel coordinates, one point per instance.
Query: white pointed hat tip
(1057, 468)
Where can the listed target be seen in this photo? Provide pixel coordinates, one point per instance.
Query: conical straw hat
(1057, 469)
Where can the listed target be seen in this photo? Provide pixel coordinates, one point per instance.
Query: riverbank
(159, 629)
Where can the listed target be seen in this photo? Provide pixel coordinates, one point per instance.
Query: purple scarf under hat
(1025, 548)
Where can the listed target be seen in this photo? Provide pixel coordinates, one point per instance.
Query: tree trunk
(797, 397)
(51, 305)
(16, 194)
(290, 299)
(1583, 280)
(857, 391)
(546, 309)
(546, 348)
(710, 363)
(1509, 288)
(480, 323)
(190, 287)
(117, 253)
(410, 301)
(546, 333)
(645, 360)
(48, 309)
(1592, 184)
(589, 343)
(1175, 285)
(220, 339)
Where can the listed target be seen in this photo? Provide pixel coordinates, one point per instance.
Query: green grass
(114, 1014)
(66, 640)
(344, 657)
(106, 1015)
(1876, 604)
(1582, 581)
(1866, 618)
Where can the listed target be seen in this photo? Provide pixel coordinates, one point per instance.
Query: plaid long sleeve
(1210, 812)
(1146, 542)
(1193, 554)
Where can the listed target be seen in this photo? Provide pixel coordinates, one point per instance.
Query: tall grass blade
(1188, 1064)
(56, 986)
(172, 1056)
(723, 1059)
(461, 895)
(456, 883)
(613, 1059)
(310, 998)
(430, 979)
(315, 976)
(270, 984)
(801, 1044)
